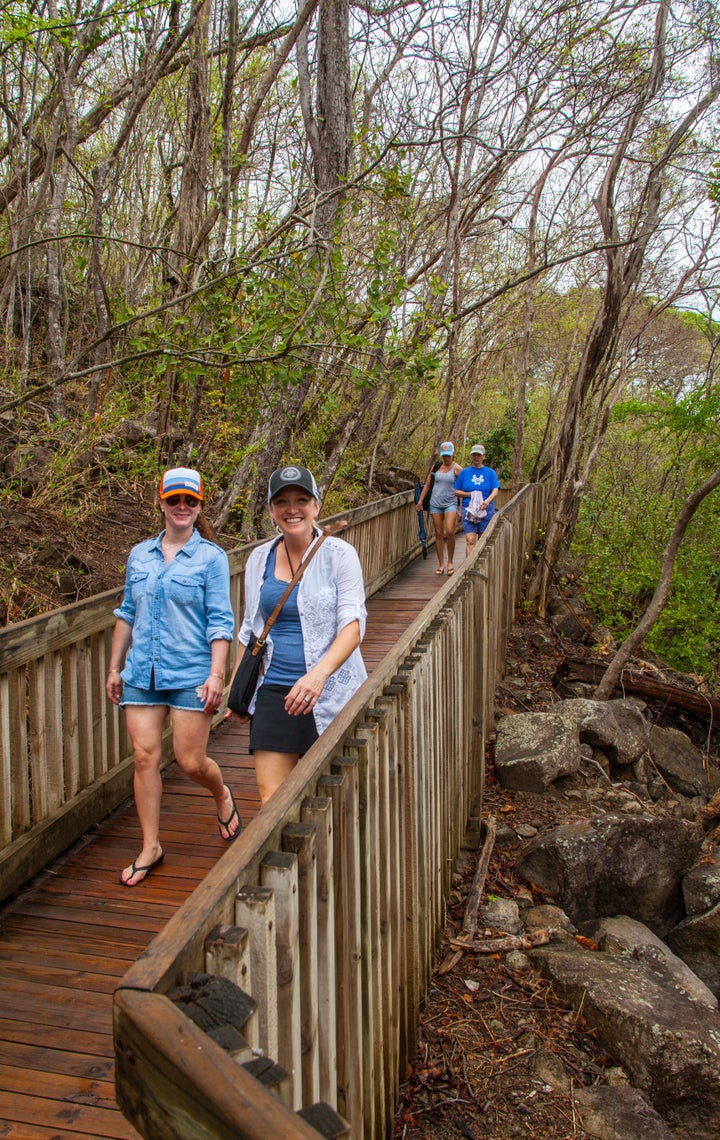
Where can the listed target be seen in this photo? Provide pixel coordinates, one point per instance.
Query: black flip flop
(226, 822)
(135, 870)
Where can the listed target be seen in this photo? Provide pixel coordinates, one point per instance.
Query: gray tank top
(443, 496)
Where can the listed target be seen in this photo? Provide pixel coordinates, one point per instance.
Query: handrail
(328, 906)
(65, 757)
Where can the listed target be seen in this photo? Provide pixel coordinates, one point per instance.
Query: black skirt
(272, 729)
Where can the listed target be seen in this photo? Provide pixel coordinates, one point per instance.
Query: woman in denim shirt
(312, 664)
(170, 644)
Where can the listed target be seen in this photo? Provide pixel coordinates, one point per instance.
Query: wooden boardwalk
(68, 938)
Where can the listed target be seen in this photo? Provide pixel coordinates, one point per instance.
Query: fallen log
(502, 945)
(475, 894)
(469, 925)
(634, 681)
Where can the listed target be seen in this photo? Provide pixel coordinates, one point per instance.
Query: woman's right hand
(114, 686)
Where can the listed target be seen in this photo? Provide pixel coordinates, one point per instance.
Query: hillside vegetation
(338, 234)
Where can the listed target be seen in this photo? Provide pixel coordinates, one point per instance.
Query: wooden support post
(348, 920)
(386, 909)
(227, 954)
(362, 749)
(255, 909)
(279, 872)
(318, 811)
(407, 864)
(299, 838)
(389, 705)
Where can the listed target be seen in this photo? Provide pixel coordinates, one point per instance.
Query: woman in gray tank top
(443, 504)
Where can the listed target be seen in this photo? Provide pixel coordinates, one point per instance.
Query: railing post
(255, 909)
(299, 838)
(318, 812)
(279, 873)
(348, 948)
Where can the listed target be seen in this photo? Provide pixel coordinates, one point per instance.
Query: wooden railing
(327, 908)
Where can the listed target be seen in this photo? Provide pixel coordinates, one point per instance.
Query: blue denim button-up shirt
(176, 609)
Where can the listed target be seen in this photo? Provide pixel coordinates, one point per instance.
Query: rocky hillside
(540, 1027)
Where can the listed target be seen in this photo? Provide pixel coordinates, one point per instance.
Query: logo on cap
(290, 474)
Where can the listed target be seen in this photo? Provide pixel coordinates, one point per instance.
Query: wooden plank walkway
(69, 937)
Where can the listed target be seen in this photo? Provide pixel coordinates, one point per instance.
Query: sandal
(225, 823)
(440, 571)
(145, 871)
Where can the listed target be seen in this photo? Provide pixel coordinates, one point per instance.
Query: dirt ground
(492, 1041)
(47, 561)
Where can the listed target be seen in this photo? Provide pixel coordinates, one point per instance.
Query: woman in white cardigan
(312, 663)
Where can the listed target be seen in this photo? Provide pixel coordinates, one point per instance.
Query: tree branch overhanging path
(339, 233)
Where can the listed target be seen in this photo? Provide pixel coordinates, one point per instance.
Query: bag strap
(326, 532)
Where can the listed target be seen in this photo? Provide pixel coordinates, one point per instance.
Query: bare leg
(439, 548)
(145, 725)
(450, 521)
(271, 768)
(190, 737)
(471, 541)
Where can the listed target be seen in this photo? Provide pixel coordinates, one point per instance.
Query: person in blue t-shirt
(476, 487)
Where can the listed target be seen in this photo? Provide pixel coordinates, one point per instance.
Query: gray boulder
(552, 918)
(697, 942)
(669, 1043)
(575, 626)
(618, 728)
(623, 935)
(501, 914)
(701, 888)
(533, 749)
(619, 1114)
(616, 864)
(679, 762)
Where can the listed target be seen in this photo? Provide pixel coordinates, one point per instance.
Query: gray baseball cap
(292, 477)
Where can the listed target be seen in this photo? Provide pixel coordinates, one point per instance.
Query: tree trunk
(328, 127)
(624, 263)
(263, 454)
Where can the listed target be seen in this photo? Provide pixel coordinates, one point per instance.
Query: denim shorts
(185, 699)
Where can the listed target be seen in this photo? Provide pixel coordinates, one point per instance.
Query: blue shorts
(185, 699)
(446, 510)
(476, 527)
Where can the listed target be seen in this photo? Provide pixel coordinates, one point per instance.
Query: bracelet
(220, 675)
(113, 670)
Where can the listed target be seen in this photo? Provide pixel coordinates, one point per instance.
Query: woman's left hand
(304, 694)
(212, 693)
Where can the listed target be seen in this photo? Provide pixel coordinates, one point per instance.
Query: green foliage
(499, 443)
(714, 185)
(620, 537)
